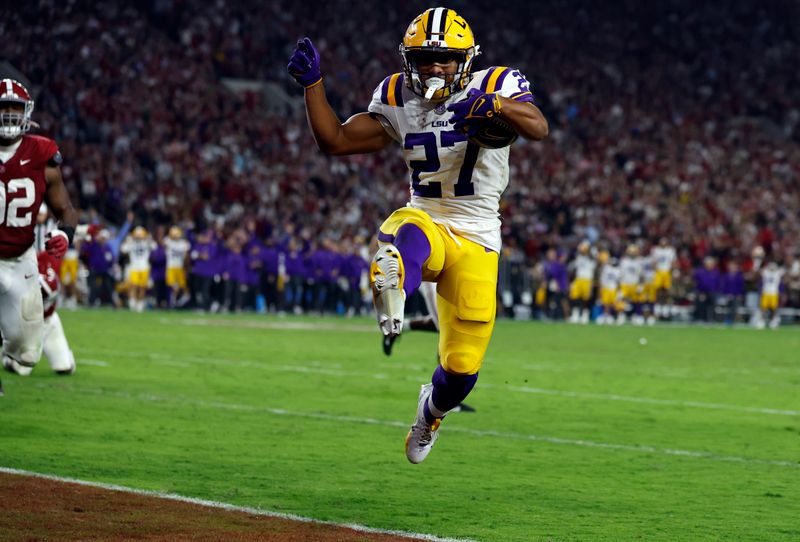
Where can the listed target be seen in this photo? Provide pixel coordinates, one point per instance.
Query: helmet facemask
(17, 122)
(435, 88)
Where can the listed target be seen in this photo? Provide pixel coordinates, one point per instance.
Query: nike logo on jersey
(23, 162)
(28, 276)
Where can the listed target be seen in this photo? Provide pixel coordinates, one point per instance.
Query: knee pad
(461, 361)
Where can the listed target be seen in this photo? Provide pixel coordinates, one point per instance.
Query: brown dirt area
(36, 509)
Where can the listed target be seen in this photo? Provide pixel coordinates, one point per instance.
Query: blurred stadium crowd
(677, 120)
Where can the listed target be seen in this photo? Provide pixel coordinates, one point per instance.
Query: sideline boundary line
(229, 507)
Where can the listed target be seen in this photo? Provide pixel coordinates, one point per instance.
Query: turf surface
(581, 433)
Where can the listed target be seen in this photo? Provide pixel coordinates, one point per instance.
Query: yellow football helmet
(583, 247)
(438, 30)
(139, 233)
(603, 256)
(175, 233)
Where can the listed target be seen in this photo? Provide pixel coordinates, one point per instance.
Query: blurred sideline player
(177, 248)
(630, 274)
(648, 293)
(138, 246)
(609, 284)
(450, 231)
(29, 174)
(55, 346)
(771, 280)
(425, 323)
(580, 291)
(664, 257)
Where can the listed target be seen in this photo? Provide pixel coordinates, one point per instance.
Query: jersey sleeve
(508, 83)
(385, 99)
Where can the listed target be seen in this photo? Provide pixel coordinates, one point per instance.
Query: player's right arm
(361, 133)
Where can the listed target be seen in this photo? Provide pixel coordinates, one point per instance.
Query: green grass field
(581, 433)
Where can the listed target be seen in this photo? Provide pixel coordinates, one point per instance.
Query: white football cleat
(386, 275)
(423, 435)
(12, 366)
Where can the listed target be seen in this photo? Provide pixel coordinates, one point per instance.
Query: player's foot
(388, 342)
(1, 389)
(386, 274)
(463, 407)
(12, 366)
(425, 323)
(423, 435)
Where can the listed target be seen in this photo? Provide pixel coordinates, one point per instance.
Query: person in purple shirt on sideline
(270, 269)
(204, 267)
(295, 264)
(732, 290)
(352, 269)
(706, 287)
(252, 274)
(557, 281)
(99, 257)
(233, 271)
(158, 271)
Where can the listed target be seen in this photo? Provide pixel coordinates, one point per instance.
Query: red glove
(57, 244)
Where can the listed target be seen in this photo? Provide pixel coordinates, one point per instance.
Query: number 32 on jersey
(431, 164)
(16, 196)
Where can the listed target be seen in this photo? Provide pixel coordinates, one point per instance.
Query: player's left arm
(58, 202)
(57, 198)
(524, 117)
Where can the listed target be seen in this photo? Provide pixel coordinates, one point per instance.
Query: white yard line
(644, 400)
(94, 362)
(323, 368)
(230, 507)
(267, 324)
(475, 432)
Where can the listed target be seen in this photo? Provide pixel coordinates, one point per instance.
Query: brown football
(493, 133)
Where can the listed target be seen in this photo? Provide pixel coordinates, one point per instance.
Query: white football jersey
(456, 182)
(771, 280)
(176, 250)
(630, 270)
(664, 257)
(584, 267)
(609, 277)
(138, 250)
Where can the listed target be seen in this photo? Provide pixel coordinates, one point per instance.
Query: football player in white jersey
(630, 276)
(664, 257)
(771, 279)
(609, 285)
(450, 231)
(138, 246)
(580, 291)
(176, 247)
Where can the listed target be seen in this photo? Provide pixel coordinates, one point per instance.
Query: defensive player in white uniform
(630, 276)
(138, 246)
(664, 257)
(580, 291)
(176, 247)
(450, 231)
(609, 285)
(771, 278)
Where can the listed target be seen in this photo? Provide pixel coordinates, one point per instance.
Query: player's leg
(21, 313)
(409, 241)
(56, 348)
(467, 304)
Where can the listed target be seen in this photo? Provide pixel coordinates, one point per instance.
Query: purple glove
(475, 107)
(304, 64)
